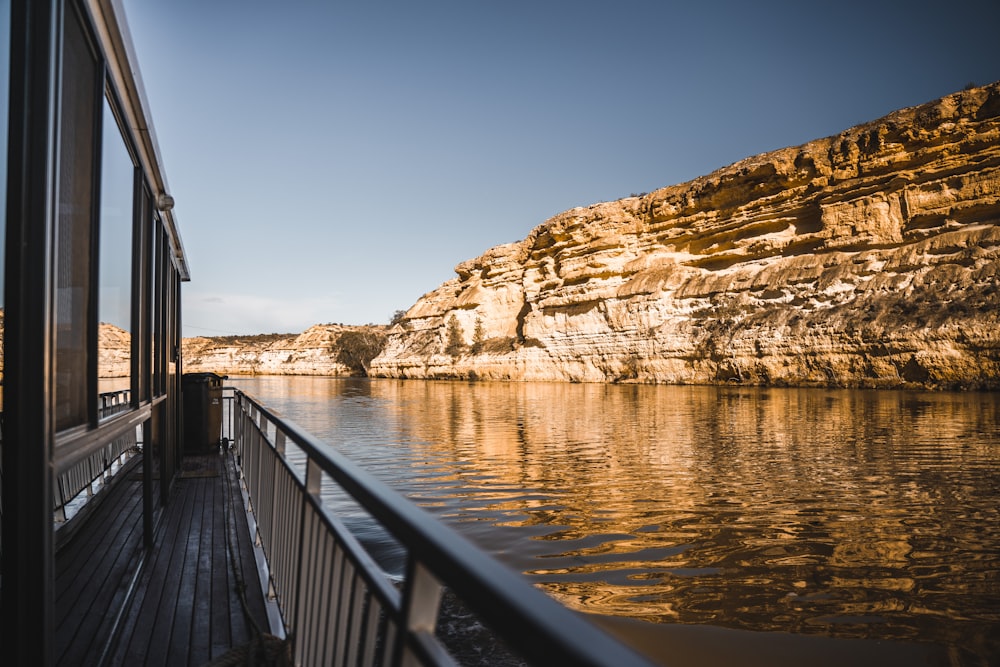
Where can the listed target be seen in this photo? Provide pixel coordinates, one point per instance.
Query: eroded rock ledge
(865, 259)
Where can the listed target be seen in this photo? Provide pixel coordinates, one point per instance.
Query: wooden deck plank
(186, 608)
(111, 588)
(144, 619)
(164, 595)
(244, 575)
(132, 645)
(73, 558)
(146, 639)
(201, 618)
(244, 557)
(142, 616)
(220, 637)
(186, 575)
(92, 574)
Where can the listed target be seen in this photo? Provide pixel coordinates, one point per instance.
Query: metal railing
(339, 607)
(97, 468)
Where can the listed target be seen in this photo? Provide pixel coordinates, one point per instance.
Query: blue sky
(333, 161)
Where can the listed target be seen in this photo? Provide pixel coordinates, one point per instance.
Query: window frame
(151, 260)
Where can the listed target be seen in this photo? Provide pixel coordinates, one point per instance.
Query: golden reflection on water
(845, 513)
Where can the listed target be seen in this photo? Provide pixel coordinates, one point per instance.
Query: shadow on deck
(191, 599)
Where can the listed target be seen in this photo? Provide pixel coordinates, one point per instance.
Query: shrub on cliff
(456, 337)
(356, 349)
(478, 336)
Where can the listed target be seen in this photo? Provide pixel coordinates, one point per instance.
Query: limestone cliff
(114, 351)
(865, 259)
(324, 349)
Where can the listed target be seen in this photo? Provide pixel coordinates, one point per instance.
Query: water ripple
(848, 514)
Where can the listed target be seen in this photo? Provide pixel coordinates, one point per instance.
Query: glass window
(156, 299)
(79, 87)
(4, 105)
(144, 291)
(114, 339)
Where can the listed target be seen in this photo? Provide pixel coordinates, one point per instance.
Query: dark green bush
(356, 349)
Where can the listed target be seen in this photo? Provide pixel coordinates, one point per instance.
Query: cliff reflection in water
(843, 513)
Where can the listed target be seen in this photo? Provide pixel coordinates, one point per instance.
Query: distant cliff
(865, 259)
(324, 349)
(113, 350)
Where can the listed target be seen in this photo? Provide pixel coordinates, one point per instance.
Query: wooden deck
(188, 604)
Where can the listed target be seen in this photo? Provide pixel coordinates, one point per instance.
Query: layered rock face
(114, 351)
(865, 259)
(324, 349)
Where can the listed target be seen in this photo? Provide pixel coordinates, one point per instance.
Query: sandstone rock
(865, 259)
(316, 351)
(114, 351)
(324, 349)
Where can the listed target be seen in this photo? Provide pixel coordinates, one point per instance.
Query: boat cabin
(93, 266)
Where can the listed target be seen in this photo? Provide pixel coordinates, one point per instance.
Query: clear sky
(333, 161)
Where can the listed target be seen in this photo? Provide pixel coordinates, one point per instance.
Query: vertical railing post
(279, 442)
(61, 509)
(421, 602)
(238, 430)
(311, 490)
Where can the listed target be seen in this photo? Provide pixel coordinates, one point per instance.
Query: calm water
(704, 525)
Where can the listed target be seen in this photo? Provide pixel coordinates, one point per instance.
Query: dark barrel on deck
(202, 412)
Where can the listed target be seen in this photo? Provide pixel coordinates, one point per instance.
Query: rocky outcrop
(324, 349)
(865, 259)
(114, 351)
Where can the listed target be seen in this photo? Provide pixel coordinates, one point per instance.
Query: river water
(704, 525)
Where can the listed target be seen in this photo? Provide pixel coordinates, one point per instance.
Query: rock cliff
(865, 259)
(114, 351)
(324, 349)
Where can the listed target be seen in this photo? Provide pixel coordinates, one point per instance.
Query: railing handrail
(535, 625)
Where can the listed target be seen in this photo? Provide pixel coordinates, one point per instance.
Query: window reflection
(145, 228)
(79, 79)
(114, 339)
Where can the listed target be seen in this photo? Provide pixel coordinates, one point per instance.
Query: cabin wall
(89, 237)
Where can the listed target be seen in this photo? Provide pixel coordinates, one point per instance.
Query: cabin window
(144, 228)
(114, 338)
(156, 300)
(80, 85)
(160, 326)
(4, 104)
